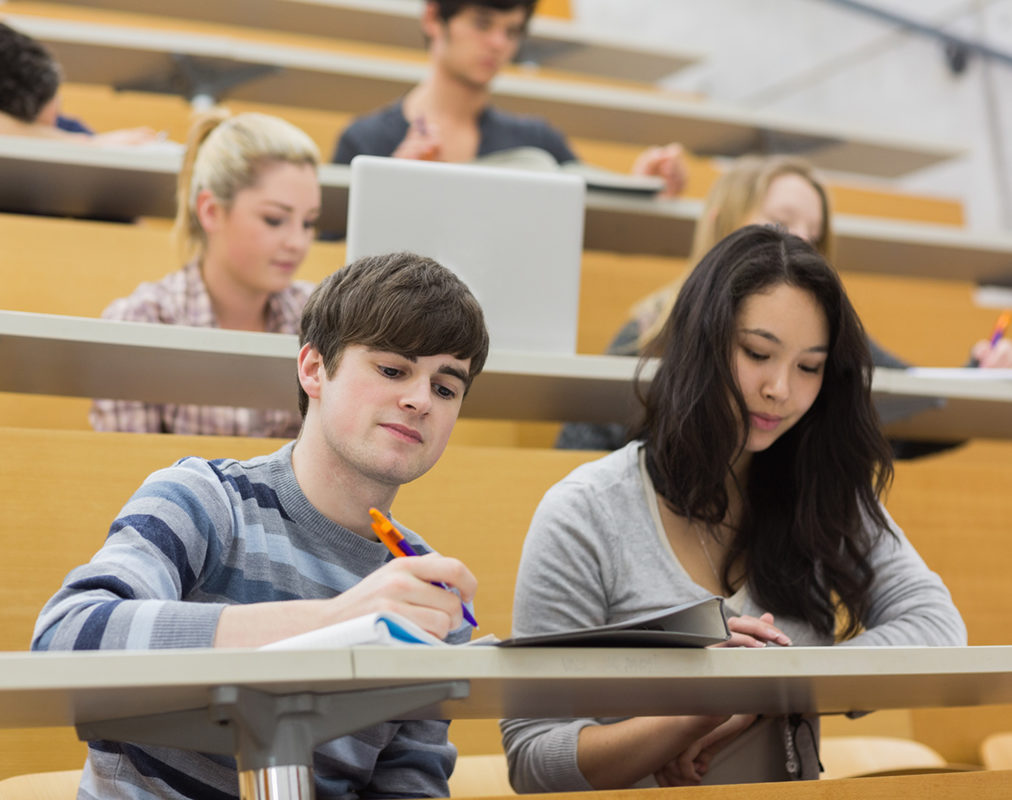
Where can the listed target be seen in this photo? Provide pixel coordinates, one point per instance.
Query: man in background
(449, 116)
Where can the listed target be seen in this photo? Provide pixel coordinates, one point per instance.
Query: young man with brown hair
(231, 553)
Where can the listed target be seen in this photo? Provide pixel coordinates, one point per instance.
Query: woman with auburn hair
(248, 200)
(756, 474)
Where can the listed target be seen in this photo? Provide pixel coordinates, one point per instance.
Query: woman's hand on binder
(749, 631)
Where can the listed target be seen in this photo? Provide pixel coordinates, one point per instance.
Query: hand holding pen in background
(995, 352)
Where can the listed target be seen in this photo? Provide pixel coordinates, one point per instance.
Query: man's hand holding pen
(421, 143)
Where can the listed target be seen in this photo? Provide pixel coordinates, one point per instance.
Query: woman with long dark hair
(756, 474)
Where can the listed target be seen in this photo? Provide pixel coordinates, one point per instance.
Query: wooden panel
(555, 8)
(876, 202)
(926, 322)
(44, 411)
(104, 109)
(89, 264)
(957, 510)
(610, 284)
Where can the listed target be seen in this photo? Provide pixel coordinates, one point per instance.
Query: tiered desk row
(955, 507)
(81, 357)
(335, 79)
(550, 42)
(126, 183)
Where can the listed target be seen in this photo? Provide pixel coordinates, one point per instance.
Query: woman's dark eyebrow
(821, 348)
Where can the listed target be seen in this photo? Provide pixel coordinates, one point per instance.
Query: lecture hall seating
(943, 502)
(499, 486)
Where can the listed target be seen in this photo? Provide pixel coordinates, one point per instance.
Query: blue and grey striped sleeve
(131, 594)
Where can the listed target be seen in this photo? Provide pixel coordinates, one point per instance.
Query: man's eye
(444, 391)
(390, 372)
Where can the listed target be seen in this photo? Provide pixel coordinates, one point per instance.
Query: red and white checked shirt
(181, 298)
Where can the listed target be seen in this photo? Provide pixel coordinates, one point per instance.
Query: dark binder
(696, 624)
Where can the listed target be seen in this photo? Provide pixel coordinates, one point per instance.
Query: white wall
(813, 57)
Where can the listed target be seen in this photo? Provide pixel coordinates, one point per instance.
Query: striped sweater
(194, 538)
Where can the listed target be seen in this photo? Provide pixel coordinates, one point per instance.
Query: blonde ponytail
(225, 154)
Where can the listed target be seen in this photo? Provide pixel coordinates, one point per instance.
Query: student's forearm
(257, 624)
(405, 586)
(618, 755)
(11, 126)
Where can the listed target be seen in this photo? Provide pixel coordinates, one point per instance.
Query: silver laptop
(514, 237)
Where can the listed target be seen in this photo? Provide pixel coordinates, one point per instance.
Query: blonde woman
(248, 200)
(782, 191)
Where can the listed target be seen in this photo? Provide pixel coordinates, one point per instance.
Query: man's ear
(312, 371)
(210, 211)
(431, 22)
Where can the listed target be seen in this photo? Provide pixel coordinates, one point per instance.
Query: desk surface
(82, 357)
(120, 56)
(125, 183)
(51, 689)
(556, 43)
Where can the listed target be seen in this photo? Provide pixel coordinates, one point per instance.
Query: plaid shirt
(181, 298)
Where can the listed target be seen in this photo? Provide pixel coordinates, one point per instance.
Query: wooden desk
(82, 357)
(194, 698)
(556, 43)
(74, 180)
(125, 56)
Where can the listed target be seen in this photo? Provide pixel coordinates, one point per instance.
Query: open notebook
(695, 624)
(376, 628)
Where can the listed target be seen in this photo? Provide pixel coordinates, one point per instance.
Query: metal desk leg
(273, 736)
(277, 782)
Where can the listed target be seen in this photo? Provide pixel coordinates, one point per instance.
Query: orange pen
(400, 547)
(999, 330)
(1000, 327)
